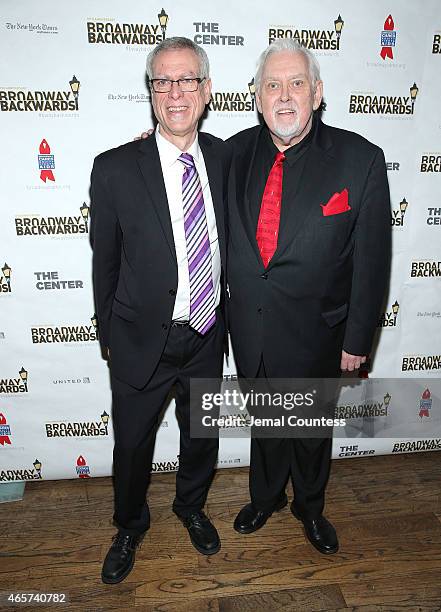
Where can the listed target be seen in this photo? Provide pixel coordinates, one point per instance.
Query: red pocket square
(337, 204)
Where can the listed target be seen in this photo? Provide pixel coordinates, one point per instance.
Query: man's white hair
(179, 42)
(288, 44)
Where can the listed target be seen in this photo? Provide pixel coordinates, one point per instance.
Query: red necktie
(269, 217)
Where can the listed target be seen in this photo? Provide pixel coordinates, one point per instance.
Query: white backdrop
(72, 85)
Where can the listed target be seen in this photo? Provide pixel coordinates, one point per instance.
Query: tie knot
(187, 160)
(279, 157)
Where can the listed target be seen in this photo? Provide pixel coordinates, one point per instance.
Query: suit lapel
(151, 170)
(243, 166)
(213, 166)
(316, 175)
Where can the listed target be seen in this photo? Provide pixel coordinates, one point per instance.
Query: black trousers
(274, 460)
(135, 419)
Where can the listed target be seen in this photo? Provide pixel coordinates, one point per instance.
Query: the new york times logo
(21, 100)
(111, 33)
(319, 40)
(30, 473)
(207, 33)
(368, 409)
(233, 101)
(436, 43)
(398, 214)
(371, 104)
(5, 279)
(425, 269)
(430, 163)
(78, 429)
(65, 333)
(166, 466)
(15, 385)
(417, 445)
(53, 226)
(419, 363)
(389, 318)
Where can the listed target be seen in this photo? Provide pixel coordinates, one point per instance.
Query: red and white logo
(46, 162)
(5, 431)
(388, 39)
(83, 469)
(425, 404)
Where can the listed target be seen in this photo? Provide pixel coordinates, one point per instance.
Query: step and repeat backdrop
(73, 84)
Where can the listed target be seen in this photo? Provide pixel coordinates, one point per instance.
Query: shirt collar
(169, 153)
(292, 154)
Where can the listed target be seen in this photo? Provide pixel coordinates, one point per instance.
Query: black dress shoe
(120, 558)
(250, 519)
(202, 532)
(320, 533)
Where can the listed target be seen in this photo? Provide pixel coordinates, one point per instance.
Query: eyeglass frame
(198, 80)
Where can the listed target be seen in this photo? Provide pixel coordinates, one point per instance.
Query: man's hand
(144, 135)
(349, 362)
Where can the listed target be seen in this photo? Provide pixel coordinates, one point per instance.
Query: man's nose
(175, 91)
(285, 92)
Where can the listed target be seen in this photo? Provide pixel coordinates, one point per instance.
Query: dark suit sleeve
(371, 260)
(105, 237)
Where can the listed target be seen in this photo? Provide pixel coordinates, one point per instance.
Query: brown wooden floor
(387, 511)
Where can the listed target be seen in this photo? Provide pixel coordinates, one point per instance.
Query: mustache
(278, 108)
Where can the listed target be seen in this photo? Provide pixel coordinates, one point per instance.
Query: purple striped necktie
(202, 312)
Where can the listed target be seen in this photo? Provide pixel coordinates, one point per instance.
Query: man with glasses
(158, 237)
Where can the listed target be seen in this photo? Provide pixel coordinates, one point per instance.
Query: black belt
(187, 323)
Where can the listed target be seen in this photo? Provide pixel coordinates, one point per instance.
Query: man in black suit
(159, 256)
(308, 259)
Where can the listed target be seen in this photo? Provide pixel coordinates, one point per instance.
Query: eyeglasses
(186, 85)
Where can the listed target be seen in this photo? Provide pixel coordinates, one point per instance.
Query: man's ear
(258, 102)
(207, 90)
(318, 95)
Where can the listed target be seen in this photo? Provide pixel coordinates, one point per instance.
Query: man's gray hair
(179, 42)
(288, 44)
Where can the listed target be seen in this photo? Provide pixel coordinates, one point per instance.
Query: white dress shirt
(172, 171)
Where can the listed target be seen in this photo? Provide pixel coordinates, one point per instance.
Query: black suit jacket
(134, 260)
(324, 286)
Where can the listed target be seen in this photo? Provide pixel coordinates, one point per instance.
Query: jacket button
(264, 275)
(164, 326)
(172, 292)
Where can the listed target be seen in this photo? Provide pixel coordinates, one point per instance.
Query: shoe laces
(125, 542)
(198, 517)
